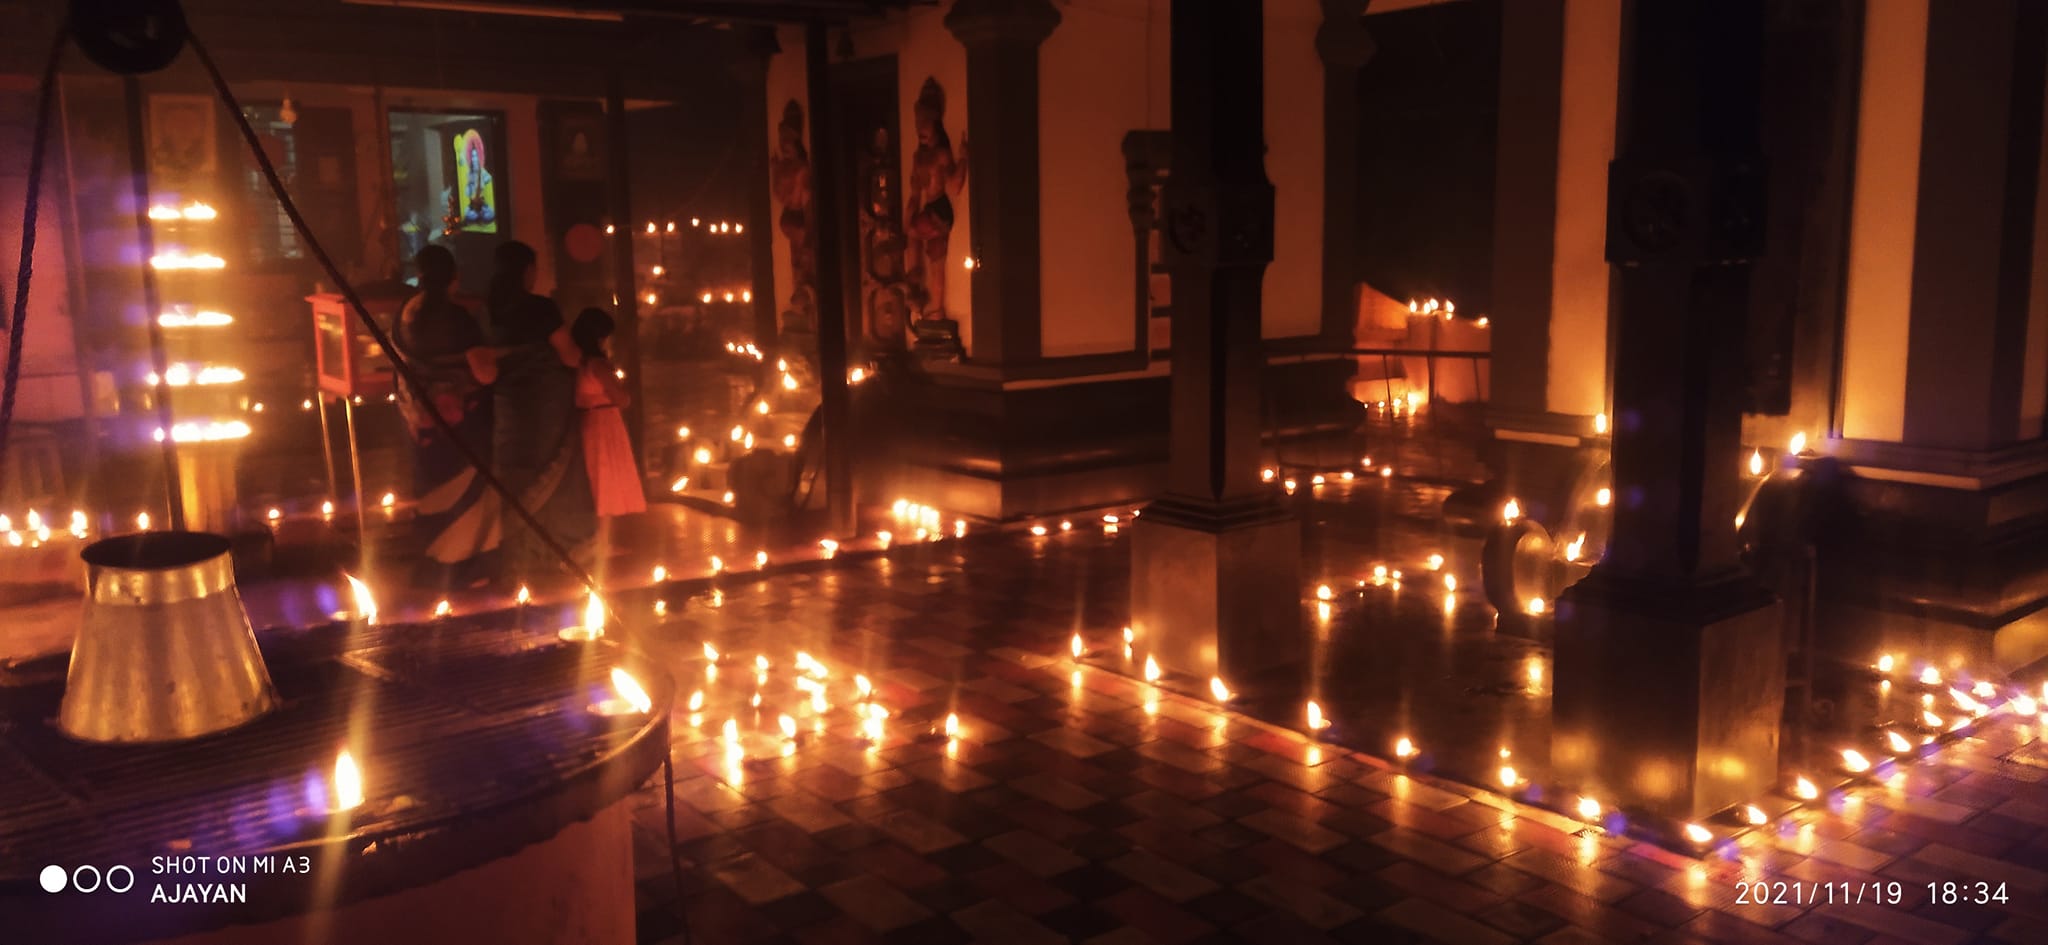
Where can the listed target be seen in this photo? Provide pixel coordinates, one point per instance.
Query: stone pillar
(1002, 39)
(1215, 583)
(1670, 665)
(1345, 48)
(835, 400)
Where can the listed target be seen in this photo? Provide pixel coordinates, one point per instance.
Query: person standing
(457, 514)
(537, 443)
(607, 450)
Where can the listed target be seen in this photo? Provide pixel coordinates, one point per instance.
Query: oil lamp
(348, 783)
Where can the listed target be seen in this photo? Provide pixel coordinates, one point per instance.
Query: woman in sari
(537, 445)
(457, 513)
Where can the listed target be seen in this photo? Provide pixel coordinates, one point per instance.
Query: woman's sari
(457, 514)
(537, 449)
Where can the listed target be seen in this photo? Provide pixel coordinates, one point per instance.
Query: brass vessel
(164, 650)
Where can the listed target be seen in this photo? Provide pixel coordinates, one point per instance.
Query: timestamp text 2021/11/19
(1876, 892)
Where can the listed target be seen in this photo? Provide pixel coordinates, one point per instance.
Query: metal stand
(355, 464)
(327, 443)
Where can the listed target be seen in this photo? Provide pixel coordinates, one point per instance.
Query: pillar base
(1668, 701)
(1216, 590)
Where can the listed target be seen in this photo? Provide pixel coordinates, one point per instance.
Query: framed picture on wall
(579, 146)
(183, 149)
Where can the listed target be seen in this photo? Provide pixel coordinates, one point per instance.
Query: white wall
(1101, 74)
(1883, 211)
(1293, 298)
(1585, 145)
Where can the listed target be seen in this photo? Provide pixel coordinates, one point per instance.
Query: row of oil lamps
(36, 531)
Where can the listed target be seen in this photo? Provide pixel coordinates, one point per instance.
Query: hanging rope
(46, 97)
(400, 365)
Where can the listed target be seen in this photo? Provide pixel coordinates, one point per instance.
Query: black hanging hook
(128, 37)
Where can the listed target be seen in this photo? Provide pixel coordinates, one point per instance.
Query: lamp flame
(366, 604)
(1885, 663)
(1511, 511)
(443, 608)
(1756, 462)
(629, 689)
(524, 596)
(1151, 669)
(1218, 689)
(1316, 721)
(593, 615)
(1698, 834)
(1323, 592)
(2025, 705)
(1853, 761)
(1898, 742)
(862, 686)
(1404, 748)
(1804, 789)
(1589, 809)
(952, 725)
(1600, 423)
(1604, 497)
(697, 700)
(1797, 445)
(711, 652)
(1075, 646)
(1755, 815)
(1930, 676)
(348, 782)
(788, 726)
(1509, 777)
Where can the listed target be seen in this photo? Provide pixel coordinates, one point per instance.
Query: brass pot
(164, 650)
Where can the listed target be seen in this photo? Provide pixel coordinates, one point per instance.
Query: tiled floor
(1077, 804)
(1080, 804)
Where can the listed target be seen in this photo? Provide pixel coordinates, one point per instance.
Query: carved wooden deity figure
(789, 175)
(936, 174)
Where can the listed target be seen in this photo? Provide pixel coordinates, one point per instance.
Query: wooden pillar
(752, 70)
(1345, 48)
(832, 303)
(1670, 668)
(627, 346)
(1216, 560)
(1002, 39)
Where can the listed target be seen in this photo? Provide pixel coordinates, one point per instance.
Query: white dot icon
(54, 879)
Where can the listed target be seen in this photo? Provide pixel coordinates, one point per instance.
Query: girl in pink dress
(607, 452)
